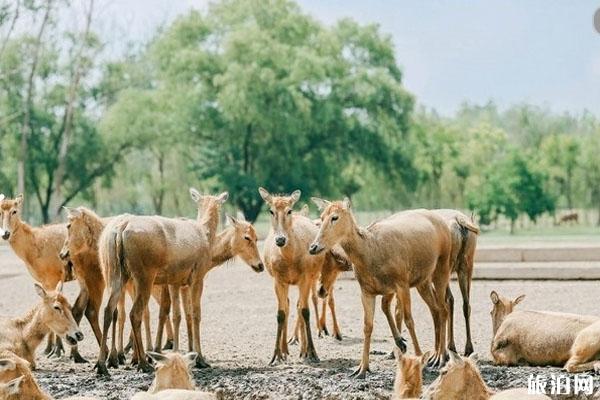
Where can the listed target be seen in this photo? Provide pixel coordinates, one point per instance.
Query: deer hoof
(201, 362)
(113, 360)
(338, 336)
(293, 340)
(101, 369)
(313, 358)
(360, 373)
(278, 357)
(468, 349)
(145, 367)
(121, 357)
(78, 359)
(168, 345)
(401, 343)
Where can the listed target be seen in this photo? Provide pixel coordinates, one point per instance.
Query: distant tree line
(258, 93)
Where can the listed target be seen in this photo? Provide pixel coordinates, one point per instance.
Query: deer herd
(167, 259)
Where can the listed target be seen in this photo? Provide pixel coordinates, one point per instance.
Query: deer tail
(468, 225)
(111, 252)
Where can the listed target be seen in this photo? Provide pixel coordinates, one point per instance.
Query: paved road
(239, 326)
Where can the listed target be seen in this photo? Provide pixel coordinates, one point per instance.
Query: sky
(510, 51)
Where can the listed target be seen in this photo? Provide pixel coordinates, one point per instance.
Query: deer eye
(69, 226)
(14, 212)
(272, 213)
(247, 238)
(289, 212)
(57, 308)
(334, 218)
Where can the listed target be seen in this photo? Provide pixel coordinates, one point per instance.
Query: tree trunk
(26, 127)
(512, 226)
(69, 111)
(13, 22)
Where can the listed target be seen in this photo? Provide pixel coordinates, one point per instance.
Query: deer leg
(109, 311)
(79, 307)
(113, 357)
(426, 292)
(302, 331)
(440, 283)
(311, 353)
(187, 310)
(49, 344)
(121, 323)
(368, 302)
(174, 292)
(147, 330)
(322, 324)
(281, 291)
(331, 301)
(315, 302)
(297, 330)
(450, 304)
(197, 317)
(386, 302)
(464, 281)
(405, 313)
(163, 314)
(140, 305)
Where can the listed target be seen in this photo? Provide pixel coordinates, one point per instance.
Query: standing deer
(154, 249)
(464, 242)
(288, 263)
(38, 248)
(238, 239)
(22, 336)
(407, 249)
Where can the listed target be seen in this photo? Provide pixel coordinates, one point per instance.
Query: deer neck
(22, 239)
(356, 245)
(34, 328)
(210, 221)
(222, 251)
(476, 388)
(406, 389)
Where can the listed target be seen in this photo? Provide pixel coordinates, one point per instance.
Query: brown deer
(239, 239)
(13, 367)
(407, 249)
(154, 249)
(464, 242)
(172, 371)
(81, 249)
(460, 379)
(22, 336)
(25, 387)
(541, 337)
(179, 394)
(409, 376)
(288, 263)
(38, 248)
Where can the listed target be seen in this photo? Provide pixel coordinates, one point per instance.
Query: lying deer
(464, 242)
(460, 379)
(13, 367)
(172, 371)
(22, 336)
(20, 388)
(154, 249)
(178, 394)
(238, 239)
(38, 248)
(543, 338)
(409, 376)
(407, 249)
(288, 263)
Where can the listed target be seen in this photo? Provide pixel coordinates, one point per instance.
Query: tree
(560, 157)
(274, 98)
(591, 161)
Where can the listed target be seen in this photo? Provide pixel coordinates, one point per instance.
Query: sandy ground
(239, 326)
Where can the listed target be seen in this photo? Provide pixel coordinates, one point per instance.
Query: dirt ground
(238, 334)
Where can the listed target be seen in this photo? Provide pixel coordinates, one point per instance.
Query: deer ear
(196, 196)
(240, 216)
(398, 354)
(347, 203)
(59, 287)
(222, 198)
(266, 196)
(519, 299)
(455, 358)
(295, 196)
(190, 358)
(320, 203)
(474, 357)
(157, 357)
(19, 199)
(494, 297)
(425, 357)
(7, 364)
(2, 196)
(232, 220)
(304, 211)
(14, 387)
(40, 290)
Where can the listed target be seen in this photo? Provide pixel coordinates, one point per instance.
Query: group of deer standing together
(169, 258)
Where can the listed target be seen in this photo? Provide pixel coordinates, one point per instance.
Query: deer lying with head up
(288, 263)
(409, 376)
(156, 250)
(22, 336)
(407, 249)
(172, 371)
(38, 248)
(543, 338)
(460, 379)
